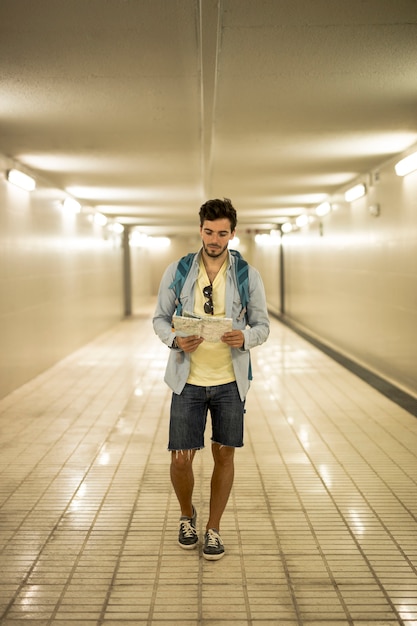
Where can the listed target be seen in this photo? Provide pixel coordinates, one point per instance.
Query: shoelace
(187, 529)
(213, 539)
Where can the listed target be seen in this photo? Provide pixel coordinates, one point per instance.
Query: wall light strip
(21, 180)
(354, 193)
(406, 165)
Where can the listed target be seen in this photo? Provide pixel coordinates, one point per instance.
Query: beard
(214, 251)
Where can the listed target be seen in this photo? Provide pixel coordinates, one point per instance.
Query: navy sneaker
(187, 536)
(213, 545)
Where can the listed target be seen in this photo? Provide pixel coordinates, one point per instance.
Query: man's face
(215, 235)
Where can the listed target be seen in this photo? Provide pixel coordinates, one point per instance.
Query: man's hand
(234, 338)
(189, 344)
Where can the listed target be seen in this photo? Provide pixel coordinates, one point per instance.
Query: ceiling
(146, 108)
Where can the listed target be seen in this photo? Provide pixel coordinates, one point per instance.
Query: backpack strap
(242, 278)
(183, 267)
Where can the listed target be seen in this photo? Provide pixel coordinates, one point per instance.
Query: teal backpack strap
(242, 277)
(181, 274)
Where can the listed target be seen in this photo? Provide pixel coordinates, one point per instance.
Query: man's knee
(223, 455)
(182, 459)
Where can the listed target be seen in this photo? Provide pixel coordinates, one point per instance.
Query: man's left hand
(234, 338)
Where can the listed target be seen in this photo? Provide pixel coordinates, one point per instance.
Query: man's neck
(213, 264)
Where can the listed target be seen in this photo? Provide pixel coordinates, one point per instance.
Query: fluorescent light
(138, 239)
(407, 165)
(141, 240)
(286, 227)
(71, 204)
(116, 227)
(234, 243)
(263, 240)
(302, 220)
(354, 193)
(158, 242)
(100, 219)
(323, 209)
(21, 180)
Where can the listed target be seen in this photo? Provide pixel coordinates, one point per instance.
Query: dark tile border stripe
(397, 395)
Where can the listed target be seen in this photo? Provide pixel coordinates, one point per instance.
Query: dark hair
(218, 209)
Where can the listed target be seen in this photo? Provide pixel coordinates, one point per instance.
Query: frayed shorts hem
(185, 449)
(222, 445)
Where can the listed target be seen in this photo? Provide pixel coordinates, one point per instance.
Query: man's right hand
(189, 344)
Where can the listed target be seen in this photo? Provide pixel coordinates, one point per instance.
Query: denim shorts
(189, 412)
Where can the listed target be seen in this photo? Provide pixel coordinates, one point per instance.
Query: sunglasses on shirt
(208, 305)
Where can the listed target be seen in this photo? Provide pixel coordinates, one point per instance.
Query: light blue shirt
(255, 325)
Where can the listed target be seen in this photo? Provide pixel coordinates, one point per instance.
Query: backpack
(242, 278)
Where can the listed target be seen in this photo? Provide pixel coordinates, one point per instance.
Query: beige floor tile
(320, 529)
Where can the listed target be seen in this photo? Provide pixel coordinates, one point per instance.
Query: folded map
(210, 328)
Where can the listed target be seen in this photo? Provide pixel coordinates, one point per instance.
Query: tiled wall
(352, 281)
(60, 282)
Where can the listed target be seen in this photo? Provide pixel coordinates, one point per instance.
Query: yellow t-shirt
(211, 363)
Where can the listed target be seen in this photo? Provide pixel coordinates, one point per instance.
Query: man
(206, 376)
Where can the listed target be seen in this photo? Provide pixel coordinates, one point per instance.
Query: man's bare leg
(182, 478)
(221, 483)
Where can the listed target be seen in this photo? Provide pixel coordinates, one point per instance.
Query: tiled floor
(321, 528)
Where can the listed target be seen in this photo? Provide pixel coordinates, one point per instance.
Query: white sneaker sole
(213, 557)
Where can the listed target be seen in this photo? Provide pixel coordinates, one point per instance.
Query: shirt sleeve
(257, 331)
(165, 307)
